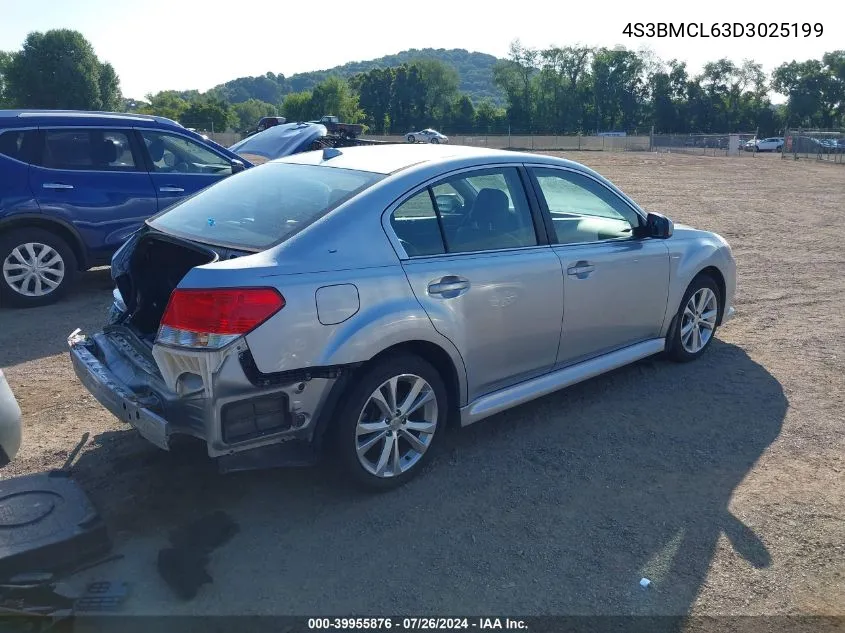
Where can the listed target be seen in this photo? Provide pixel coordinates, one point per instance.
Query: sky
(158, 44)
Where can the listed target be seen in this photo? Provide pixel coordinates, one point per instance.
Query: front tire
(392, 419)
(696, 320)
(38, 267)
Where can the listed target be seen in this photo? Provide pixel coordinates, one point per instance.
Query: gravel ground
(721, 480)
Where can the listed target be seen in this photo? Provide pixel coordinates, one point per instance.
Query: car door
(95, 179)
(615, 285)
(180, 166)
(490, 283)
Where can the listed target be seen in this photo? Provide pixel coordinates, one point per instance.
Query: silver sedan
(360, 300)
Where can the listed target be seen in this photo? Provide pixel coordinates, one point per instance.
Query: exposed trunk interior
(156, 267)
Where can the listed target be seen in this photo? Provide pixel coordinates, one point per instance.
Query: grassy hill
(474, 69)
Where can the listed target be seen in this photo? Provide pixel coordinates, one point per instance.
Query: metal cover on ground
(47, 524)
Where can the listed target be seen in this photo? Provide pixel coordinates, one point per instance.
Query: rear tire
(381, 453)
(37, 268)
(696, 320)
(412, 138)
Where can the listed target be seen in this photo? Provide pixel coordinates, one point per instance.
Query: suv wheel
(392, 417)
(37, 268)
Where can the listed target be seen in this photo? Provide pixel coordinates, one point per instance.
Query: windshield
(263, 205)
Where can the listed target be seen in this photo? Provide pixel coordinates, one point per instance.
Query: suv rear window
(18, 144)
(263, 205)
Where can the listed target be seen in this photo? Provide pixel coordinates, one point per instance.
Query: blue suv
(75, 185)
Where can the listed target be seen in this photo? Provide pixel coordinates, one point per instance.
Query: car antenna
(330, 152)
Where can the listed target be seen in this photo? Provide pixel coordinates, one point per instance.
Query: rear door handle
(580, 269)
(449, 286)
(171, 189)
(56, 185)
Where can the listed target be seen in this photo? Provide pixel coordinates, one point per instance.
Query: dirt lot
(720, 480)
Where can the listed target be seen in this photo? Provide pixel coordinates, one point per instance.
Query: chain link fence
(704, 144)
(696, 144)
(826, 145)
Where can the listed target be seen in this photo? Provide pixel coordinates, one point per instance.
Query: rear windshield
(262, 205)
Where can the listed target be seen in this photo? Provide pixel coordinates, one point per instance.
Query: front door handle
(449, 286)
(580, 269)
(56, 185)
(169, 189)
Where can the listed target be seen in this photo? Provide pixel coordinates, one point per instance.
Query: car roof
(22, 118)
(393, 157)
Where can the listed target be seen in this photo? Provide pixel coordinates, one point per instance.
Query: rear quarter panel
(15, 193)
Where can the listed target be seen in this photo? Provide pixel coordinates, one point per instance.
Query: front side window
(476, 211)
(262, 206)
(584, 210)
(174, 154)
(88, 150)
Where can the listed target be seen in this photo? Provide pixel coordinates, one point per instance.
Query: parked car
(322, 300)
(75, 185)
(10, 423)
(427, 136)
(771, 144)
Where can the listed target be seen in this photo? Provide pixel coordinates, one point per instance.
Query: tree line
(557, 90)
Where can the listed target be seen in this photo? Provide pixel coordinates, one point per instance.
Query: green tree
(440, 84)
(248, 113)
(489, 118)
(618, 90)
(514, 76)
(334, 97)
(297, 107)
(463, 115)
(815, 90)
(208, 113)
(167, 103)
(374, 88)
(5, 60)
(59, 69)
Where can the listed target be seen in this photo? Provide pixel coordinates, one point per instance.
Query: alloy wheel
(699, 320)
(396, 425)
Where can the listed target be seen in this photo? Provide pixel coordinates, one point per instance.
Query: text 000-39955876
(723, 29)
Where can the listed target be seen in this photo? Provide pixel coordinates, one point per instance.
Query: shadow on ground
(557, 507)
(29, 334)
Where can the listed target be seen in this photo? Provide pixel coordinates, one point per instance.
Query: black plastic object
(47, 524)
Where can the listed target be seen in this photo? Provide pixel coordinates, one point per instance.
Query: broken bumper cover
(109, 392)
(227, 409)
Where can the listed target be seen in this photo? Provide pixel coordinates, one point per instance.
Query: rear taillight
(215, 317)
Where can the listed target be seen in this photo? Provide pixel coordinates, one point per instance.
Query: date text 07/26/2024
(723, 29)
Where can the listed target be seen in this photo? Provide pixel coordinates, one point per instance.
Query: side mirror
(237, 166)
(658, 226)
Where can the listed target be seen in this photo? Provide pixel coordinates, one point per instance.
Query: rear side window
(18, 144)
(416, 225)
(88, 149)
(262, 205)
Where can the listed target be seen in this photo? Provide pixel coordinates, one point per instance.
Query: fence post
(579, 141)
(651, 140)
(509, 136)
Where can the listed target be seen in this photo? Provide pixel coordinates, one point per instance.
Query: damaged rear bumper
(214, 397)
